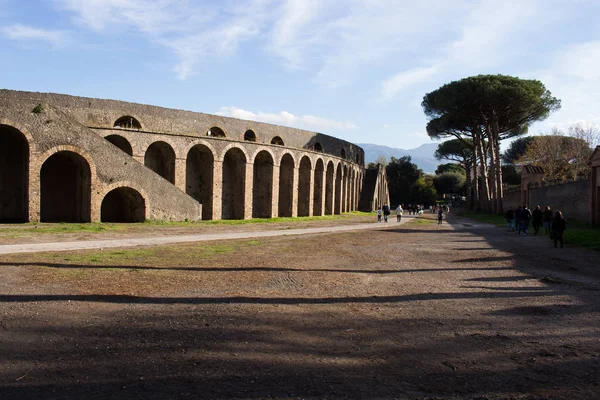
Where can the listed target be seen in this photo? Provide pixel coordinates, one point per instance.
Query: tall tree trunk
(485, 189)
(492, 171)
(467, 166)
(499, 180)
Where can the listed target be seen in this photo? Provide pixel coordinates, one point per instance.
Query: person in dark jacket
(536, 219)
(518, 219)
(509, 216)
(559, 225)
(547, 219)
(525, 219)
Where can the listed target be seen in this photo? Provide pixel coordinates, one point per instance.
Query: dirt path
(132, 241)
(457, 311)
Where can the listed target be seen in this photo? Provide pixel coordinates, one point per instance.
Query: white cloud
(191, 30)
(308, 122)
(403, 80)
(23, 33)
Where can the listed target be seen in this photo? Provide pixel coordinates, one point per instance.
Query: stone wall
(572, 199)
(173, 175)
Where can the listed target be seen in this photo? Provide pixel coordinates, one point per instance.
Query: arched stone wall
(199, 170)
(329, 188)
(234, 184)
(318, 200)
(338, 189)
(121, 142)
(304, 184)
(160, 158)
(14, 175)
(286, 185)
(123, 204)
(262, 193)
(65, 188)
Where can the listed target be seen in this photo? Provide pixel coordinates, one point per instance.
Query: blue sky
(356, 70)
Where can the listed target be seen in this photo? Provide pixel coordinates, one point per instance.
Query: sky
(353, 69)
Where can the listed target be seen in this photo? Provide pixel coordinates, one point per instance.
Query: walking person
(399, 211)
(547, 219)
(559, 225)
(440, 215)
(518, 219)
(509, 216)
(379, 214)
(536, 219)
(386, 212)
(525, 218)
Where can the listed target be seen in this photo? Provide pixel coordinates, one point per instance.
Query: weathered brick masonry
(82, 159)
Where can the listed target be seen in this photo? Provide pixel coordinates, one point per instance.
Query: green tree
(516, 149)
(402, 175)
(487, 109)
(450, 167)
(423, 191)
(462, 152)
(449, 182)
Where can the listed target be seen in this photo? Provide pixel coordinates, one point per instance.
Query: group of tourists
(384, 212)
(554, 223)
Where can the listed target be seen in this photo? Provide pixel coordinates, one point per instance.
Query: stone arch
(233, 184)
(199, 169)
(277, 140)
(343, 154)
(235, 146)
(304, 187)
(215, 131)
(160, 158)
(14, 175)
(329, 186)
(123, 204)
(318, 147)
(338, 189)
(318, 188)
(262, 185)
(127, 122)
(121, 142)
(65, 188)
(344, 189)
(260, 149)
(286, 185)
(250, 136)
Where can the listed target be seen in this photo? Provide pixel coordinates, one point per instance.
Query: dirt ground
(423, 311)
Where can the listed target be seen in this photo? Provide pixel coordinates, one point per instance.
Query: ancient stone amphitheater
(74, 159)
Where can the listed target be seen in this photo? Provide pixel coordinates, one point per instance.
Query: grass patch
(494, 219)
(422, 221)
(578, 234)
(41, 228)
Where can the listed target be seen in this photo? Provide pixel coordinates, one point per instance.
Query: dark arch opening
(123, 204)
(304, 187)
(234, 185)
(127, 122)
(121, 143)
(14, 175)
(262, 186)
(338, 190)
(215, 131)
(286, 186)
(199, 167)
(318, 147)
(250, 136)
(318, 189)
(277, 140)
(343, 154)
(357, 158)
(329, 189)
(344, 189)
(65, 186)
(160, 158)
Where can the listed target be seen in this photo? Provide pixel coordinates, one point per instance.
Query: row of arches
(129, 122)
(65, 187)
(286, 189)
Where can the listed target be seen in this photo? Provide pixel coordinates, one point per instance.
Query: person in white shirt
(399, 212)
(379, 214)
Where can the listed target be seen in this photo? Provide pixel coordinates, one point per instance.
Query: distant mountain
(422, 155)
